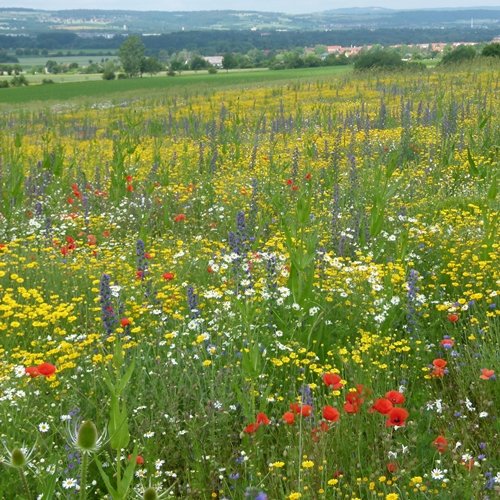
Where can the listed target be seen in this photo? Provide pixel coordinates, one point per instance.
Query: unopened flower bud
(17, 458)
(150, 494)
(87, 436)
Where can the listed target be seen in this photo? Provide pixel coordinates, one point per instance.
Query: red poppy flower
(333, 380)
(447, 343)
(295, 187)
(395, 397)
(392, 467)
(91, 240)
(139, 460)
(125, 322)
(353, 402)
(128, 178)
(46, 369)
(441, 444)
(382, 405)
(453, 317)
(288, 417)
(289, 182)
(251, 428)
(130, 188)
(179, 218)
(397, 417)
(262, 419)
(32, 371)
(304, 410)
(438, 372)
(168, 276)
(308, 176)
(440, 363)
(331, 414)
(487, 374)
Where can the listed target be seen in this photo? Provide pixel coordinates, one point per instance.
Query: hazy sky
(291, 6)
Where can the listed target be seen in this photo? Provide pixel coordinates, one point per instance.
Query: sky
(288, 6)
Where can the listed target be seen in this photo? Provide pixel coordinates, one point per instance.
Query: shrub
(378, 58)
(19, 81)
(47, 81)
(458, 55)
(4, 84)
(108, 75)
(491, 50)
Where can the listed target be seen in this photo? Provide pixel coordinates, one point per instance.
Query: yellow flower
(307, 464)
(277, 465)
(207, 362)
(333, 482)
(392, 496)
(294, 496)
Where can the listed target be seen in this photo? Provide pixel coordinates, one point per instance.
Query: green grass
(110, 89)
(82, 60)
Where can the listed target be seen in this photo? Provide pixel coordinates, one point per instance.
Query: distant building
(215, 61)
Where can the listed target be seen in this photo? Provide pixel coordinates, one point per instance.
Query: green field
(91, 90)
(82, 60)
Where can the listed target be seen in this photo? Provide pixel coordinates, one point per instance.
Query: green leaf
(484, 121)
(128, 475)
(472, 164)
(112, 491)
(126, 378)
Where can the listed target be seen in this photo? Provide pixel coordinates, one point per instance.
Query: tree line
(219, 42)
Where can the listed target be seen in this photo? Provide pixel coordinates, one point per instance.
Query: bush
(122, 76)
(212, 70)
(47, 81)
(4, 84)
(19, 81)
(491, 50)
(458, 55)
(379, 58)
(170, 72)
(108, 75)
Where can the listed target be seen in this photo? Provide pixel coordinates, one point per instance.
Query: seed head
(150, 494)
(87, 436)
(17, 458)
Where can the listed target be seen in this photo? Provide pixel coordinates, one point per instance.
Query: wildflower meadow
(265, 291)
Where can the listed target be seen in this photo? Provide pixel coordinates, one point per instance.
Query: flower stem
(26, 487)
(83, 476)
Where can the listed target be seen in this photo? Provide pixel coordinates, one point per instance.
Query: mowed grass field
(98, 88)
(28, 62)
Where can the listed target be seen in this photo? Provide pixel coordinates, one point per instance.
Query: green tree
(491, 50)
(378, 58)
(151, 65)
(458, 55)
(197, 62)
(131, 53)
(229, 61)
